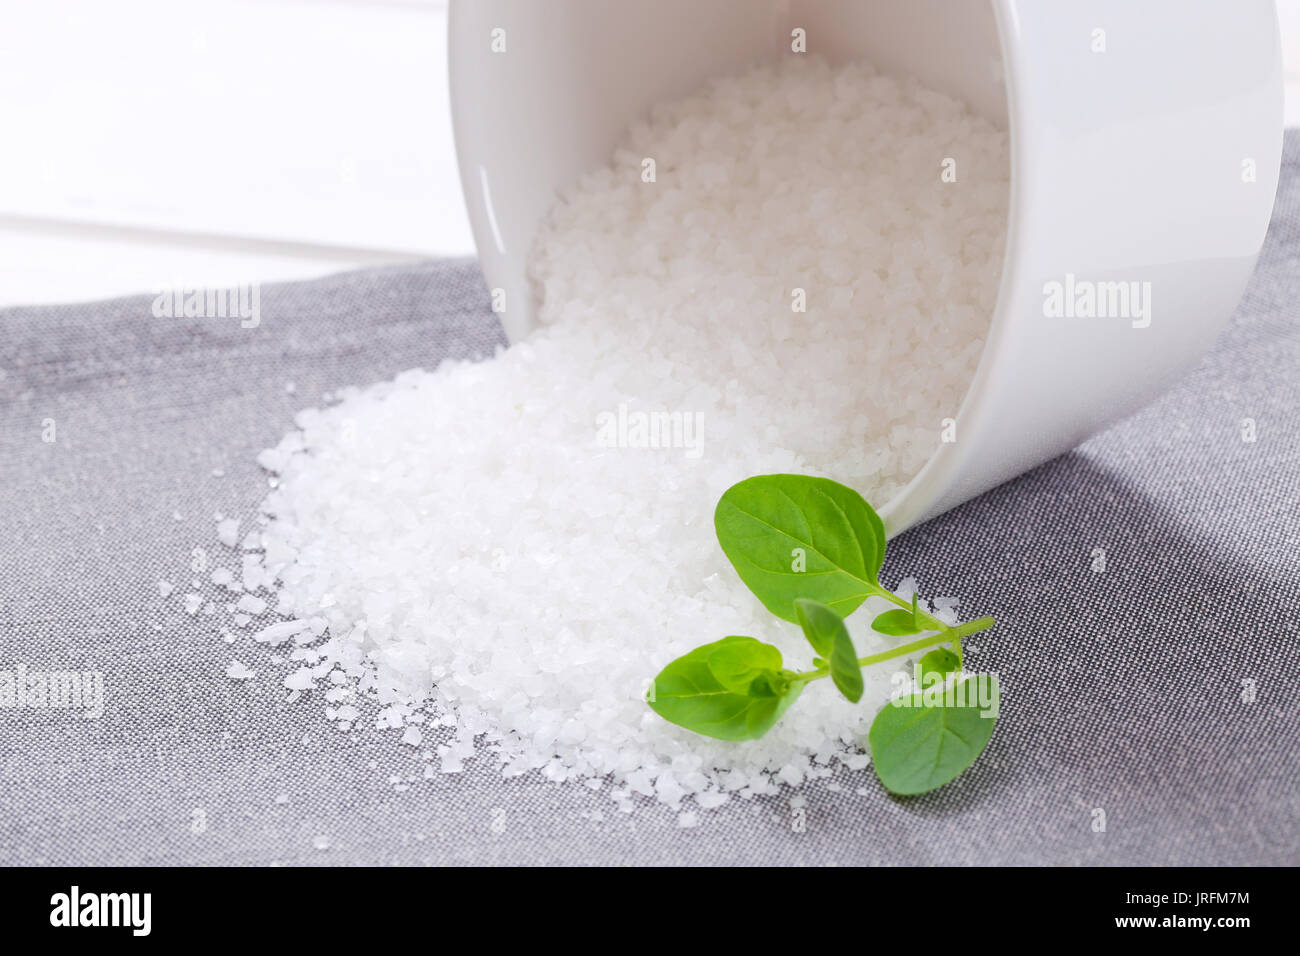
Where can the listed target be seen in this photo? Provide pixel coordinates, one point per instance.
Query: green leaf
(792, 536)
(732, 689)
(829, 637)
(940, 661)
(926, 739)
(820, 625)
(896, 623)
(736, 662)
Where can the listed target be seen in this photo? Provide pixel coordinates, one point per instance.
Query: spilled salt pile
(505, 552)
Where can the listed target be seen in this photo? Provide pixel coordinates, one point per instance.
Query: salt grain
(251, 604)
(239, 671)
(279, 633)
(228, 532)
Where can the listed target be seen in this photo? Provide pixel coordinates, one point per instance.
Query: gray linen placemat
(1125, 689)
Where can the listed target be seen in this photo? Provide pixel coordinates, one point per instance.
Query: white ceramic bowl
(1128, 165)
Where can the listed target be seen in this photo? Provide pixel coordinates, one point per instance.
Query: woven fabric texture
(1159, 692)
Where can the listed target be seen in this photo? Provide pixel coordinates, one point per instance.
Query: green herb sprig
(811, 550)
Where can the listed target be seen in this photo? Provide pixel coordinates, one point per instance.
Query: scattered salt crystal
(449, 761)
(412, 736)
(239, 671)
(253, 573)
(280, 632)
(300, 679)
(193, 602)
(791, 775)
(858, 761)
(228, 532)
(165, 588)
(688, 819)
(251, 604)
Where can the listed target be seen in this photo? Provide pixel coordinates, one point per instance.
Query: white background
(158, 142)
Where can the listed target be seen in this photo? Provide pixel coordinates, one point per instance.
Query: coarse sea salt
(239, 671)
(228, 531)
(501, 551)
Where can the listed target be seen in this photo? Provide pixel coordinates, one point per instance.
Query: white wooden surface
(148, 142)
(155, 142)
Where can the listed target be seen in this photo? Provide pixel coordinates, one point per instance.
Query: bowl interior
(575, 74)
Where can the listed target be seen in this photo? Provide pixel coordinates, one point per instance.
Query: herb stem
(946, 635)
(933, 622)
